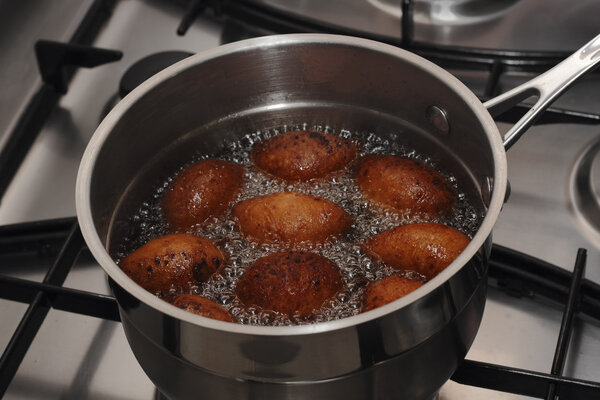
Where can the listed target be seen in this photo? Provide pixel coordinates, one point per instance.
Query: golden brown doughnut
(427, 248)
(407, 186)
(290, 217)
(200, 191)
(303, 155)
(290, 282)
(176, 261)
(386, 290)
(202, 306)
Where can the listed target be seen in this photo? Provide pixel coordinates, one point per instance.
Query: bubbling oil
(356, 267)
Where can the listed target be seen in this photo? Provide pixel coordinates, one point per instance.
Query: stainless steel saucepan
(406, 349)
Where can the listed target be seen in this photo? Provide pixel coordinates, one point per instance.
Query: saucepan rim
(87, 166)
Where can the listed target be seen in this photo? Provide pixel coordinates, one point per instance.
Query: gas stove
(80, 350)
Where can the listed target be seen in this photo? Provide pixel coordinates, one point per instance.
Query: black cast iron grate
(61, 241)
(57, 63)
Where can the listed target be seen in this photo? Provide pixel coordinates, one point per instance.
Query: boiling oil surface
(356, 267)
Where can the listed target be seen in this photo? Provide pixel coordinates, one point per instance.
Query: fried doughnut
(202, 306)
(407, 186)
(290, 282)
(303, 155)
(176, 261)
(290, 217)
(426, 248)
(200, 191)
(386, 290)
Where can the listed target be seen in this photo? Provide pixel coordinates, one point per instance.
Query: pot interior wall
(207, 100)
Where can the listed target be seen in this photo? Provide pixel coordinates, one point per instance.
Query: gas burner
(140, 71)
(584, 189)
(147, 67)
(448, 12)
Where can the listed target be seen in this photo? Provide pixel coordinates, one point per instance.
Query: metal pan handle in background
(548, 86)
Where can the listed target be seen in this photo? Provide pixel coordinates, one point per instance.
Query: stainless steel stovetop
(77, 357)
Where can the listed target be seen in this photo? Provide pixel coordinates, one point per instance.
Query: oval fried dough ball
(427, 248)
(303, 155)
(174, 261)
(202, 306)
(201, 191)
(291, 282)
(407, 186)
(291, 217)
(386, 290)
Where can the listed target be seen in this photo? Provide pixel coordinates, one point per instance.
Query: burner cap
(448, 12)
(585, 191)
(148, 66)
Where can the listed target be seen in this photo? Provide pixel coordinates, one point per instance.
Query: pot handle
(547, 86)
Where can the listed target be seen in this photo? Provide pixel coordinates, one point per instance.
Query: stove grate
(38, 308)
(538, 279)
(516, 273)
(20, 139)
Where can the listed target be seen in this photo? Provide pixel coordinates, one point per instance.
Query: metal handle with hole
(547, 86)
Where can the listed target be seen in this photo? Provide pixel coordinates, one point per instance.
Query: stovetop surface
(498, 24)
(85, 358)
